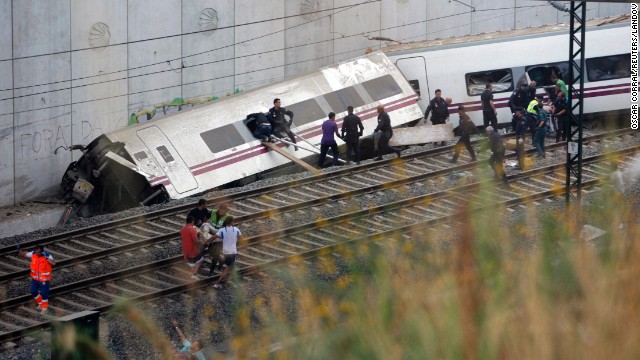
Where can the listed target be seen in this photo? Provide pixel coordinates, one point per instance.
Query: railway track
(169, 276)
(83, 253)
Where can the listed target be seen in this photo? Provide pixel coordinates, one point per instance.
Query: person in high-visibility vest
(41, 262)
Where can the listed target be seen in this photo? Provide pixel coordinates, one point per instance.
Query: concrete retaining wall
(71, 70)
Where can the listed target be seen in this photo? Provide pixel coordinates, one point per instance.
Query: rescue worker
(521, 131)
(532, 114)
(531, 91)
(41, 262)
(263, 127)
(328, 141)
(200, 213)
(279, 123)
(352, 129)
(561, 110)
(439, 111)
(192, 247)
(489, 112)
(384, 127)
(518, 99)
(497, 154)
(214, 224)
(467, 127)
(541, 131)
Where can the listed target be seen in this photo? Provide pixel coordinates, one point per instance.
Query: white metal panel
(176, 170)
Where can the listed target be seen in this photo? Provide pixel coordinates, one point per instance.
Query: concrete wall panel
(446, 20)
(37, 135)
(404, 20)
(215, 59)
(92, 119)
(99, 73)
(42, 82)
(41, 27)
(155, 69)
(151, 19)
(6, 161)
(605, 10)
(6, 33)
(97, 23)
(259, 50)
(490, 16)
(219, 87)
(350, 25)
(309, 36)
(535, 13)
(208, 80)
(6, 88)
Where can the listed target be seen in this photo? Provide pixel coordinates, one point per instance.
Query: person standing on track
(384, 127)
(466, 127)
(497, 154)
(216, 219)
(439, 111)
(279, 123)
(200, 213)
(41, 262)
(192, 247)
(328, 141)
(489, 112)
(230, 236)
(352, 129)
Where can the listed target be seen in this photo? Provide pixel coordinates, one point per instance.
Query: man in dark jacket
(384, 126)
(279, 123)
(263, 127)
(439, 110)
(466, 127)
(522, 125)
(497, 154)
(517, 100)
(351, 131)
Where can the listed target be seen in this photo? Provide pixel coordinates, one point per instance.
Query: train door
(166, 155)
(414, 70)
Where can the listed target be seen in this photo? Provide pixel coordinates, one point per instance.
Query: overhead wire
(252, 71)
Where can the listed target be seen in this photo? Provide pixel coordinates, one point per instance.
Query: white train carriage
(462, 66)
(199, 149)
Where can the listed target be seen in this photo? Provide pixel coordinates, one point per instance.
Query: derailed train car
(199, 149)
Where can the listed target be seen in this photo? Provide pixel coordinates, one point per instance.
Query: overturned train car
(199, 149)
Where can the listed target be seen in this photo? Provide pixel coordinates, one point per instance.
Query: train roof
(499, 36)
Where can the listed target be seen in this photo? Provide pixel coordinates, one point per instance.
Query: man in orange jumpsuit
(41, 262)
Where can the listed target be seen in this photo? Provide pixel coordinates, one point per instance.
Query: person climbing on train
(279, 123)
(263, 128)
(215, 223)
(41, 262)
(230, 236)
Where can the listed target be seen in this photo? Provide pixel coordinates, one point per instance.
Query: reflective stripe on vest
(40, 268)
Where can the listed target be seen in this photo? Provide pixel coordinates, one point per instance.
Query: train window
(382, 87)
(141, 155)
(222, 138)
(306, 111)
(609, 67)
(501, 79)
(164, 152)
(339, 100)
(545, 74)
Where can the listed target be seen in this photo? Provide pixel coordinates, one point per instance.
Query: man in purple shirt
(329, 128)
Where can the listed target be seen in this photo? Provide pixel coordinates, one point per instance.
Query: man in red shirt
(192, 247)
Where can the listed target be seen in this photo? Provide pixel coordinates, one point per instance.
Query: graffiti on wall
(176, 104)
